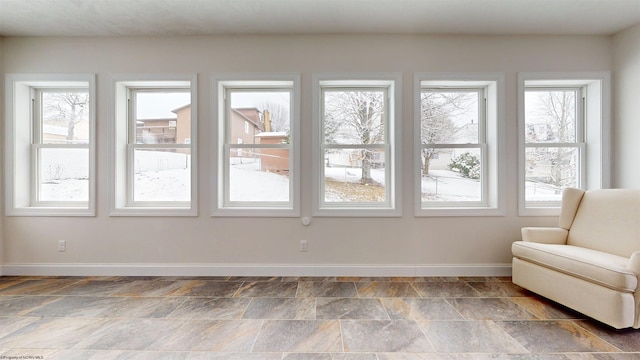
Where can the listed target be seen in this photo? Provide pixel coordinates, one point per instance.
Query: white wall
(1, 159)
(391, 246)
(626, 97)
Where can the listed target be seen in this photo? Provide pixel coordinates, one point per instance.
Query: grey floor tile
(299, 336)
(210, 308)
(77, 306)
(214, 335)
(326, 289)
(498, 289)
(87, 287)
(423, 356)
(267, 289)
(555, 336)
(490, 309)
(388, 318)
(37, 287)
(52, 333)
(625, 339)
(130, 334)
(420, 309)
(207, 355)
(22, 305)
(142, 307)
(207, 288)
(152, 288)
(117, 355)
(446, 289)
(9, 325)
(383, 336)
(386, 289)
(350, 308)
(281, 309)
(470, 337)
(546, 309)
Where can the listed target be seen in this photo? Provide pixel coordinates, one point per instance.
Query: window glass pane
(162, 175)
(254, 112)
(63, 175)
(354, 117)
(261, 175)
(354, 175)
(449, 117)
(65, 117)
(549, 170)
(550, 116)
(163, 117)
(452, 175)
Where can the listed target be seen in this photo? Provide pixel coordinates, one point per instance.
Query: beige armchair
(591, 261)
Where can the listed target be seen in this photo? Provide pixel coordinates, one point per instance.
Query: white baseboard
(254, 270)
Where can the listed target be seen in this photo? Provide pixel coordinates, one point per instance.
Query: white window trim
(494, 164)
(220, 82)
(120, 182)
(393, 83)
(18, 160)
(597, 152)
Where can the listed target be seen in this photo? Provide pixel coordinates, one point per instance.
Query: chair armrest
(634, 263)
(545, 235)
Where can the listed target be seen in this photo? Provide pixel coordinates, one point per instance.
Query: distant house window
(458, 137)
(50, 136)
(562, 144)
(258, 145)
(154, 169)
(357, 143)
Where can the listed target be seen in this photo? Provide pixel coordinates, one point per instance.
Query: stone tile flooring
(251, 318)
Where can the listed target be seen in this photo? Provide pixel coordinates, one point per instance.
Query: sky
(156, 105)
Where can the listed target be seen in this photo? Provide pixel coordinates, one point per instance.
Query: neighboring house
(166, 131)
(51, 133)
(276, 160)
(246, 123)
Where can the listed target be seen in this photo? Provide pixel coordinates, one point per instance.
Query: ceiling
(211, 17)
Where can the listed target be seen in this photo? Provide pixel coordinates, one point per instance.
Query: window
(50, 145)
(458, 137)
(356, 145)
(563, 137)
(154, 148)
(257, 149)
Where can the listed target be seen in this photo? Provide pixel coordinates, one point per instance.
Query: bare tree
(356, 117)
(436, 124)
(555, 117)
(280, 120)
(67, 109)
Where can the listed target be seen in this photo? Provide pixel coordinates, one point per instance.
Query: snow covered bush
(467, 164)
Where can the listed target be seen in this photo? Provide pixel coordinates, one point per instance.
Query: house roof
(206, 17)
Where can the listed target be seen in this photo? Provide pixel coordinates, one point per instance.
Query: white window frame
(123, 145)
(593, 141)
(222, 83)
(20, 166)
(491, 142)
(392, 83)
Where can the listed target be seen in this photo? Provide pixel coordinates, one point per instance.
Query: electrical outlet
(62, 245)
(304, 245)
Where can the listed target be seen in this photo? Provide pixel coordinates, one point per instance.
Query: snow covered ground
(164, 177)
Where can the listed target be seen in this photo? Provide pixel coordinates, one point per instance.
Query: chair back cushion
(608, 220)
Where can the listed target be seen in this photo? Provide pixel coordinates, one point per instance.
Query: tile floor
(249, 318)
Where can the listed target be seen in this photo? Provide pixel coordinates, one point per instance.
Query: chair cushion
(591, 265)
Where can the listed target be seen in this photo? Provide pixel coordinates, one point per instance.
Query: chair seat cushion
(596, 266)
